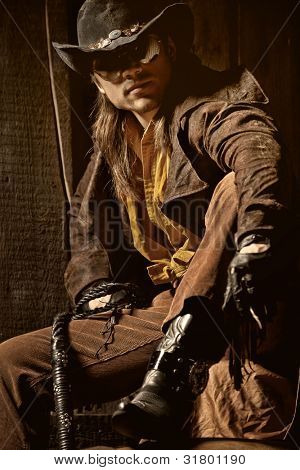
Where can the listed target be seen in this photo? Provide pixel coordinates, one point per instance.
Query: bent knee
(223, 207)
(226, 190)
(30, 351)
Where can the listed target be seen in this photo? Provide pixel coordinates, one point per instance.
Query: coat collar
(236, 85)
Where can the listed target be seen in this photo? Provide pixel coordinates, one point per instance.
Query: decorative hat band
(116, 34)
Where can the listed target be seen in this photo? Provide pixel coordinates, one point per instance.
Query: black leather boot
(165, 399)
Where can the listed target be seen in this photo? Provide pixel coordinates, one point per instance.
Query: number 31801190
(214, 459)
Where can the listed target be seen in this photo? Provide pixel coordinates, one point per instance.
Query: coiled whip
(132, 298)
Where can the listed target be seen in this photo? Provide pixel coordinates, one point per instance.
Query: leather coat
(219, 125)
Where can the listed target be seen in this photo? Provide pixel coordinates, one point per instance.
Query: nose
(132, 71)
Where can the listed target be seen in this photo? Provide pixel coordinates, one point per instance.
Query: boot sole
(134, 423)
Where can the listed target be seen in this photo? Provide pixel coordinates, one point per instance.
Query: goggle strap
(153, 50)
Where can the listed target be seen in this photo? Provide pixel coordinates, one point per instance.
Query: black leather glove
(249, 276)
(100, 302)
(105, 295)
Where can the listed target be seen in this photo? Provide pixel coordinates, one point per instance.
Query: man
(196, 165)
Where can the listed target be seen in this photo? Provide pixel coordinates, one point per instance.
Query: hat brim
(80, 59)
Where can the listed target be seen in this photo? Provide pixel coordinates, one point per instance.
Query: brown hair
(110, 140)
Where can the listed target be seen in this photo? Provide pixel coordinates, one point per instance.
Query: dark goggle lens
(142, 51)
(134, 53)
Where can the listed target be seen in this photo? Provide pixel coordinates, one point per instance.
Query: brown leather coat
(219, 125)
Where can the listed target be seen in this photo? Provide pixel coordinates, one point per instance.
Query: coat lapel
(183, 180)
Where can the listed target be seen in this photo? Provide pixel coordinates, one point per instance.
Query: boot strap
(183, 374)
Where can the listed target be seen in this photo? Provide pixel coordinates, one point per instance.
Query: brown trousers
(264, 408)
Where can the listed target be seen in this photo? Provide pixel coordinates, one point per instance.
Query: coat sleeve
(89, 260)
(242, 138)
(243, 141)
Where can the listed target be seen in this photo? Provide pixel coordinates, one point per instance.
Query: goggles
(143, 51)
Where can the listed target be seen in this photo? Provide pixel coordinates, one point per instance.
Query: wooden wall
(33, 248)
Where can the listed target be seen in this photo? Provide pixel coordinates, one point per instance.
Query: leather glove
(101, 302)
(248, 276)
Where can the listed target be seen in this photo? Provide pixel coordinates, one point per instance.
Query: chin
(145, 105)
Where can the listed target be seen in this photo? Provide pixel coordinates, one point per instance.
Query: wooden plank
(32, 247)
(269, 46)
(216, 32)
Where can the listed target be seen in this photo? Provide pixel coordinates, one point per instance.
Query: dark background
(262, 34)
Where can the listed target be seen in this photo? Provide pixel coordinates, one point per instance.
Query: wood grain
(269, 46)
(32, 247)
(216, 32)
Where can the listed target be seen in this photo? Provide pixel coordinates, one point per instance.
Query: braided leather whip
(60, 348)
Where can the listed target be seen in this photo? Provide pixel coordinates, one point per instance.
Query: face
(140, 87)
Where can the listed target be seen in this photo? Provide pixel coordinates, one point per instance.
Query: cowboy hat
(104, 25)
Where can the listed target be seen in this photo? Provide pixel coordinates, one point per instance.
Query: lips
(137, 87)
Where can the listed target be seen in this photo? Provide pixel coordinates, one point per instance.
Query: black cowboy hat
(104, 25)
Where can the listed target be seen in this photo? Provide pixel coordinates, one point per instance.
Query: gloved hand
(248, 274)
(100, 302)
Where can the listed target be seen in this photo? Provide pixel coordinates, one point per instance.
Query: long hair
(109, 133)
(109, 136)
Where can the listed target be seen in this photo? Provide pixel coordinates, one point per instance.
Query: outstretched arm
(241, 137)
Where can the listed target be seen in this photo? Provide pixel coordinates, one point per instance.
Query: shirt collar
(135, 133)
